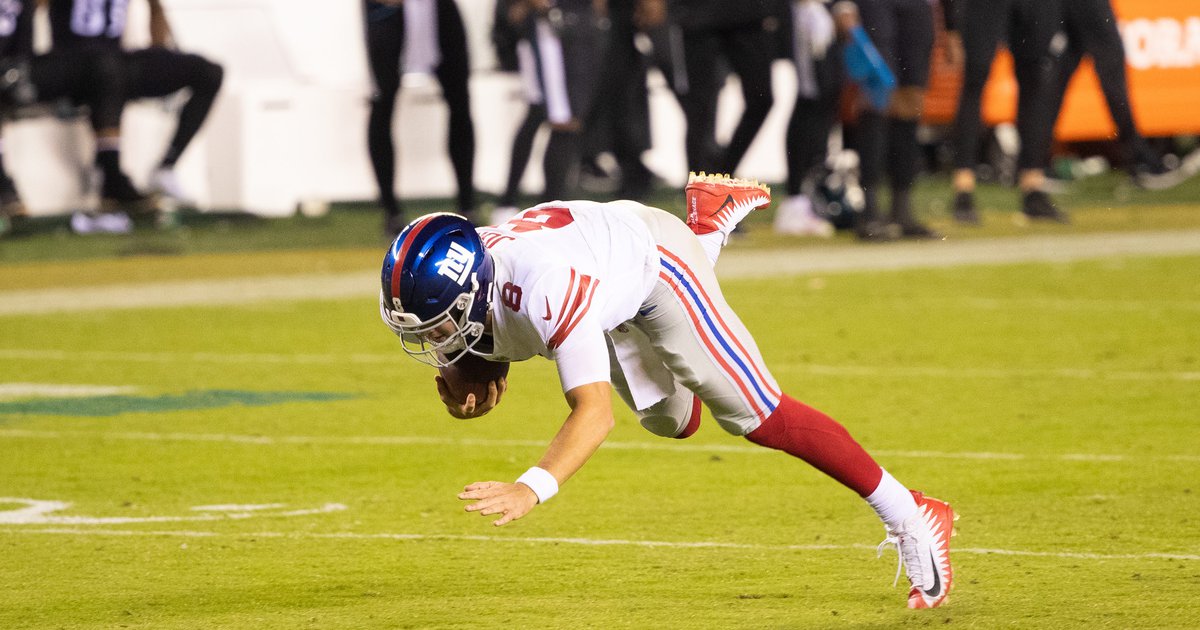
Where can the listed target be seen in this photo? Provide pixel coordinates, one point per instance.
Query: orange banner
(1162, 48)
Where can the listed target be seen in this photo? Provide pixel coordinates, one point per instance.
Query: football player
(623, 296)
(95, 80)
(96, 27)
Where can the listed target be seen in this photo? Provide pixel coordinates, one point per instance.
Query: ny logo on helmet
(457, 264)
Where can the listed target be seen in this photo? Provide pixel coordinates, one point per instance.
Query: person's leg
(453, 74)
(1062, 64)
(983, 21)
(870, 133)
(700, 101)
(750, 50)
(98, 79)
(708, 349)
(385, 42)
(564, 59)
(710, 352)
(1035, 22)
(676, 415)
(522, 146)
(158, 72)
(1096, 27)
(914, 18)
(620, 109)
(806, 147)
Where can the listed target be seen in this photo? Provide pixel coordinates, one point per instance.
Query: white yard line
(11, 391)
(590, 542)
(17, 354)
(663, 445)
(735, 263)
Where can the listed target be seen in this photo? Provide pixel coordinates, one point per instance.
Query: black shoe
(1037, 206)
(964, 209)
(916, 230)
(117, 193)
(877, 231)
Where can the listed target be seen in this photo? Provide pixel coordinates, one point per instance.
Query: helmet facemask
(442, 339)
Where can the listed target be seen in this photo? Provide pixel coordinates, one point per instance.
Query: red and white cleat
(923, 543)
(717, 203)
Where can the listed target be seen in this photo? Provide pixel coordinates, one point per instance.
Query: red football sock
(800, 430)
(693, 420)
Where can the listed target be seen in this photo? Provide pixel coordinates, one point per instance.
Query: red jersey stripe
(587, 286)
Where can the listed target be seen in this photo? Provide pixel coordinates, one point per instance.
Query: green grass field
(1054, 404)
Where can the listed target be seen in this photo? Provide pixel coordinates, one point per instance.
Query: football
(471, 375)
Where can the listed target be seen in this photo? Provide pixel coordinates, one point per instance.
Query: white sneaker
(795, 217)
(923, 543)
(165, 182)
(102, 223)
(501, 214)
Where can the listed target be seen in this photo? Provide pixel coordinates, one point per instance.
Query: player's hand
(471, 408)
(510, 500)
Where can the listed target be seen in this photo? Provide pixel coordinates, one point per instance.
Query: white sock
(712, 242)
(892, 501)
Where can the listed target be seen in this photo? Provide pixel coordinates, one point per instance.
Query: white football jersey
(566, 273)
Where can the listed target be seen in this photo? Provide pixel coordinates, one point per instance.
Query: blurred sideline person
(903, 33)
(421, 36)
(1028, 26)
(97, 26)
(515, 54)
(816, 55)
(1091, 29)
(743, 37)
(620, 116)
(96, 80)
(624, 296)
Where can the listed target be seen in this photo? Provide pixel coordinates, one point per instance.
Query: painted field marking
(663, 445)
(38, 512)
(15, 391)
(590, 542)
(735, 263)
(17, 354)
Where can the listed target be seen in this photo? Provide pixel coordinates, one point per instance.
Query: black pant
(1091, 29)
(385, 43)
(812, 119)
(1027, 26)
(620, 116)
(95, 79)
(749, 49)
(902, 30)
(158, 72)
(522, 146)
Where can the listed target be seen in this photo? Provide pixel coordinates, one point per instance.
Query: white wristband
(543, 484)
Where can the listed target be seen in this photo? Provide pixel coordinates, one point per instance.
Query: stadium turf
(279, 464)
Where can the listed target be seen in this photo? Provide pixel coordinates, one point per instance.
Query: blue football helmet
(437, 281)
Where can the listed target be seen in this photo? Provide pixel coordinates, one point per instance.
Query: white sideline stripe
(10, 391)
(591, 542)
(17, 354)
(413, 440)
(250, 290)
(734, 264)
